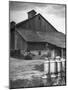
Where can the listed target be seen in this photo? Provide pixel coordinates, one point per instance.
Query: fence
(55, 68)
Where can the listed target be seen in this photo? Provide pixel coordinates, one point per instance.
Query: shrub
(43, 56)
(28, 57)
(16, 54)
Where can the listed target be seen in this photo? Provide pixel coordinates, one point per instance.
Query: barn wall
(45, 25)
(55, 51)
(31, 24)
(20, 43)
(12, 39)
(64, 53)
(38, 23)
(36, 46)
(52, 50)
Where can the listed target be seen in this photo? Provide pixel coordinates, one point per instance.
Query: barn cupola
(31, 14)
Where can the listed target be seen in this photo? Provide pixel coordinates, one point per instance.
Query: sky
(54, 13)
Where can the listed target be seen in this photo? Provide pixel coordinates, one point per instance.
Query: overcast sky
(54, 13)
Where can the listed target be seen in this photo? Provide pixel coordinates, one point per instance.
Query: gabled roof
(51, 36)
(54, 38)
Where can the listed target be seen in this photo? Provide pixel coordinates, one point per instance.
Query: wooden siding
(44, 48)
(12, 39)
(20, 43)
(36, 46)
(37, 23)
(31, 24)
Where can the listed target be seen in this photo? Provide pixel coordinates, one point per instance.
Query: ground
(20, 69)
(30, 73)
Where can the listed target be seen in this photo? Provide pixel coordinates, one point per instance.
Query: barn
(37, 35)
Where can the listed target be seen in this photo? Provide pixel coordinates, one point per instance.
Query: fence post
(56, 69)
(65, 71)
(49, 79)
(49, 74)
(49, 67)
(61, 69)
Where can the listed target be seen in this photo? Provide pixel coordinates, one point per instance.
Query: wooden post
(49, 79)
(65, 71)
(49, 67)
(49, 75)
(61, 69)
(56, 69)
(62, 52)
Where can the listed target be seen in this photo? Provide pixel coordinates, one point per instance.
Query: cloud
(18, 6)
(54, 13)
(55, 9)
(58, 10)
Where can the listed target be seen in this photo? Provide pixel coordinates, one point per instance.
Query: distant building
(36, 33)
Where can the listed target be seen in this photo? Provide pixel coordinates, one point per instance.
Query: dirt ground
(28, 73)
(21, 69)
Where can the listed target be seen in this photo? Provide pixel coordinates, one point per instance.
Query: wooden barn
(37, 34)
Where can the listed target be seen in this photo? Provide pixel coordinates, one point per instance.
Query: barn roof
(54, 38)
(51, 35)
